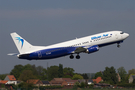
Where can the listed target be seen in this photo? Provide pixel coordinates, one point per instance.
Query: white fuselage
(113, 36)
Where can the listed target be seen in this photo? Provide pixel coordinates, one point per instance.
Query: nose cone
(126, 35)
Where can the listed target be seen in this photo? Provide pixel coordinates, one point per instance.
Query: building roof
(74, 81)
(58, 79)
(62, 80)
(11, 77)
(133, 76)
(45, 82)
(66, 79)
(3, 81)
(81, 80)
(97, 80)
(56, 82)
(34, 81)
(90, 80)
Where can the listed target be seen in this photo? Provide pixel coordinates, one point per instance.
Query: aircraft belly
(58, 52)
(109, 43)
(55, 54)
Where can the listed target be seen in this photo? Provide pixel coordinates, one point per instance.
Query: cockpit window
(121, 32)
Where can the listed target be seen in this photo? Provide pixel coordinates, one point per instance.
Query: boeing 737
(88, 44)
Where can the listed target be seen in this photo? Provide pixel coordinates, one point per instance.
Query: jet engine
(92, 49)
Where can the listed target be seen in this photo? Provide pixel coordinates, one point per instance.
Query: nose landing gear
(118, 45)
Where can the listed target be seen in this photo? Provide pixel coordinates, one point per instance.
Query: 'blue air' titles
(96, 37)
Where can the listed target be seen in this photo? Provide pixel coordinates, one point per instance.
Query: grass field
(101, 89)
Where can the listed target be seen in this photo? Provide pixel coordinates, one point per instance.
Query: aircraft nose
(126, 35)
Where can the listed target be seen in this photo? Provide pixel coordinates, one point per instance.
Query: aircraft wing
(86, 49)
(80, 49)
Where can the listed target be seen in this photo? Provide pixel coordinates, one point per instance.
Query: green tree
(68, 71)
(107, 74)
(33, 68)
(26, 75)
(134, 81)
(17, 70)
(39, 70)
(41, 73)
(77, 76)
(82, 85)
(98, 74)
(113, 75)
(85, 76)
(76, 85)
(25, 85)
(44, 75)
(67, 76)
(52, 72)
(132, 71)
(60, 71)
(29, 67)
(110, 75)
(2, 76)
(122, 72)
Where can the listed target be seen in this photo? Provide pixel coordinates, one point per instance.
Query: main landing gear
(71, 56)
(77, 56)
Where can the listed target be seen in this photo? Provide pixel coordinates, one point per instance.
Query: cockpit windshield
(122, 32)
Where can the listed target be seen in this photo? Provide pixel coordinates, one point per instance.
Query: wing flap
(80, 49)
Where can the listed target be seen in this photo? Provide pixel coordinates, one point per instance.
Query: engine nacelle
(92, 49)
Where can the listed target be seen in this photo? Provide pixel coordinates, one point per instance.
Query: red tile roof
(3, 81)
(11, 77)
(34, 81)
(66, 79)
(58, 79)
(99, 79)
(63, 81)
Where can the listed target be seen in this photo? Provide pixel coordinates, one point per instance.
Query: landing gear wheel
(77, 57)
(71, 56)
(118, 45)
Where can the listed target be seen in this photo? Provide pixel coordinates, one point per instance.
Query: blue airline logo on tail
(22, 41)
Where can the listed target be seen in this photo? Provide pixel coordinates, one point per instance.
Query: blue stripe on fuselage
(52, 53)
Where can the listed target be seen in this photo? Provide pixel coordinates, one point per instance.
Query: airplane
(88, 44)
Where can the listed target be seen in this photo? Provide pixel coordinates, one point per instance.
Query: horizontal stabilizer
(12, 54)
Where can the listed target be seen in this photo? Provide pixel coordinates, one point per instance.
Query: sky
(46, 22)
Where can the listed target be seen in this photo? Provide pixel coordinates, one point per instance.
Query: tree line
(26, 72)
(110, 76)
(32, 72)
